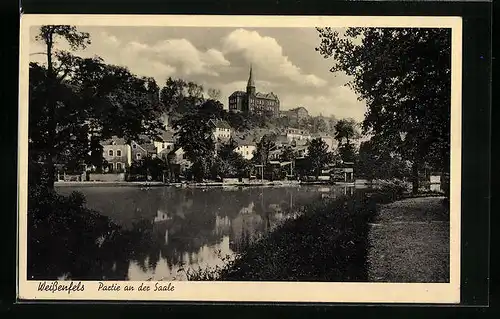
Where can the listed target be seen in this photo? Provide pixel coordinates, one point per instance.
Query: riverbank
(326, 241)
(409, 241)
(192, 184)
(367, 237)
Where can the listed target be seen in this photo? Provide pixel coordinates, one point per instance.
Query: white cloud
(339, 101)
(266, 53)
(110, 38)
(274, 71)
(183, 55)
(161, 60)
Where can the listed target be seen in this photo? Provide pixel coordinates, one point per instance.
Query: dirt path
(410, 242)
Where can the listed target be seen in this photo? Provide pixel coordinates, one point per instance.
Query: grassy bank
(409, 241)
(329, 240)
(326, 241)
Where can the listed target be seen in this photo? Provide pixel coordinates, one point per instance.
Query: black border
(476, 109)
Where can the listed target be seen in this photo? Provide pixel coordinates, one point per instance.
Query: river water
(194, 227)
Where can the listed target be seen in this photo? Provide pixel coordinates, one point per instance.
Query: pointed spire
(251, 83)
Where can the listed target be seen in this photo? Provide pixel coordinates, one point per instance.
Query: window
(168, 147)
(118, 166)
(118, 153)
(110, 152)
(110, 167)
(134, 146)
(138, 156)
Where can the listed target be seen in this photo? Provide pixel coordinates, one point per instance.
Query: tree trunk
(414, 177)
(51, 125)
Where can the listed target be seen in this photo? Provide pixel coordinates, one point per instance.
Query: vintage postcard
(240, 158)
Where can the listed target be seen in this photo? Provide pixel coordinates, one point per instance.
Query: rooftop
(268, 96)
(246, 141)
(238, 93)
(114, 141)
(149, 147)
(221, 124)
(167, 136)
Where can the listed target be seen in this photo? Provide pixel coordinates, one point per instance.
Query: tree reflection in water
(172, 228)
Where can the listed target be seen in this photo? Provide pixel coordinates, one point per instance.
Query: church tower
(251, 83)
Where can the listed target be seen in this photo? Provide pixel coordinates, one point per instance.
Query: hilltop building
(297, 114)
(254, 102)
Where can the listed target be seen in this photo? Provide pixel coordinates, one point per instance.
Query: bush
(327, 241)
(390, 190)
(62, 234)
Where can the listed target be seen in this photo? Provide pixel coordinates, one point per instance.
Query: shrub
(62, 234)
(390, 190)
(328, 241)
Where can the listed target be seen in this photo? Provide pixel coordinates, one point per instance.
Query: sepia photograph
(240, 152)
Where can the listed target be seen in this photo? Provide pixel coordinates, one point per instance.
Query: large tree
(179, 96)
(318, 155)
(74, 98)
(346, 130)
(264, 147)
(117, 101)
(58, 65)
(376, 162)
(404, 76)
(195, 135)
(288, 154)
(229, 163)
(214, 94)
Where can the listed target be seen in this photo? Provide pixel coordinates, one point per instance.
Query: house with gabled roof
(221, 130)
(143, 148)
(165, 142)
(245, 147)
(117, 153)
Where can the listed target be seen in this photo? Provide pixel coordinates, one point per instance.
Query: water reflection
(192, 227)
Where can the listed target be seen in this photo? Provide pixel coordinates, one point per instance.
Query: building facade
(166, 143)
(297, 134)
(254, 102)
(221, 130)
(179, 157)
(142, 151)
(297, 114)
(245, 148)
(118, 155)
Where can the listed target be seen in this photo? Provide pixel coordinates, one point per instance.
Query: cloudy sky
(284, 62)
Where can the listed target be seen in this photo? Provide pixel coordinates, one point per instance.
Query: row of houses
(120, 155)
